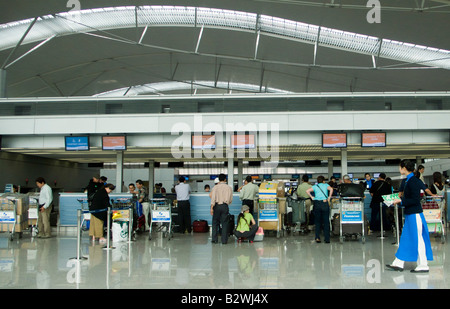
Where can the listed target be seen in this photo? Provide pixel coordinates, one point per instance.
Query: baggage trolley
(351, 213)
(269, 215)
(122, 210)
(298, 214)
(434, 213)
(161, 215)
(8, 216)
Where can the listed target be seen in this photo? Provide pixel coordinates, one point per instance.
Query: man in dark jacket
(378, 189)
(98, 209)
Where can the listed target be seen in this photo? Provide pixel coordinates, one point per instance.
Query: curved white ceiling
(92, 20)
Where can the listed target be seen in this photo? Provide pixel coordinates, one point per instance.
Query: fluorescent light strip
(103, 19)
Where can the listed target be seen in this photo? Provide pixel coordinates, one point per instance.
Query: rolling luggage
(230, 224)
(259, 236)
(200, 226)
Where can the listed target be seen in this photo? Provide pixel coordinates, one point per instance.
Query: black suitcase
(349, 229)
(230, 224)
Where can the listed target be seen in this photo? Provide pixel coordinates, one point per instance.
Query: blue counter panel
(69, 205)
(201, 206)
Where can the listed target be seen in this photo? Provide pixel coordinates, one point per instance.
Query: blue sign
(352, 216)
(268, 215)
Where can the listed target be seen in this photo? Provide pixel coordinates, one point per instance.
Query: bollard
(130, 223)
(108, 231)
(78, 257)
(381, 221)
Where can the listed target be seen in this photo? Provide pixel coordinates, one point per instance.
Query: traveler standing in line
(92, 187)
(98, 208)
(437, 187)
(247, 193)
(45, 208)
(379, 188)
(301, 193)
(415, 243)
(322, 197)
(420, 171)
(142, 199)
(183, 191)
(221, 197)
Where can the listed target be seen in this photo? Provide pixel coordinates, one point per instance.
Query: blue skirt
(408, 249)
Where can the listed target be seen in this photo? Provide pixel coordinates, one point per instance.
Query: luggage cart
(298, 214)
(161, 215)
(122, 210)
(351, 213)
(8, 215)
(269, 215)
(434, 213)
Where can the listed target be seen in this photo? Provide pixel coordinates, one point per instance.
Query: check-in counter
(69, 203)
(201, 206)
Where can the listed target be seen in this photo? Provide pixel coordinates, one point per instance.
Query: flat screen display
(110, 142)
(243, 141)
(77, 143)
(204, 141)
(334, 140)
(377, 139)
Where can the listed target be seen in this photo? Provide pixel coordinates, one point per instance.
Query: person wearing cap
(246, 225)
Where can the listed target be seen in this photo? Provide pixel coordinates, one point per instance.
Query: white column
(330, 168)
(119, 171)
(240, 170)
(231, 172)
(151, 178)
(344, 169)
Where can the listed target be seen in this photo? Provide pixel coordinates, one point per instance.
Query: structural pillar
(119, 171)
(344, 169)
(330, 168)
(151, 178)
(240, 170)
(231, 172)
(2, 83)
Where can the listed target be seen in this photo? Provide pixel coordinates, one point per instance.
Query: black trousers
(220, 216)
(250, 205)
(184, 216)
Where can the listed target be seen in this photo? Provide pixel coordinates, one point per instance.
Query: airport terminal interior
(246, 92)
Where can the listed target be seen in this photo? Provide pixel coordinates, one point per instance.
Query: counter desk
(69, 205)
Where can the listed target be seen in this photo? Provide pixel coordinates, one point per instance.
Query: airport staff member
(221, 197)
(45, 208)
(415, 243)
(247, 193)
(183, 191)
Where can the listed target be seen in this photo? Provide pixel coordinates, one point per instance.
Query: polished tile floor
(193, 262)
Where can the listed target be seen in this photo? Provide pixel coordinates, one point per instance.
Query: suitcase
(259, 236)
(349, 229)
(230, 224)
(200, 226)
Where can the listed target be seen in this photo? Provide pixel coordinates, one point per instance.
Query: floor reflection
(193, 262)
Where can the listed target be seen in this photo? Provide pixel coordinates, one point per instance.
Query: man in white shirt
(184, 207)
(45, 208)
(248, 192)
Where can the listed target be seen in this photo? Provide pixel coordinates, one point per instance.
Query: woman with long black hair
(415, 243)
